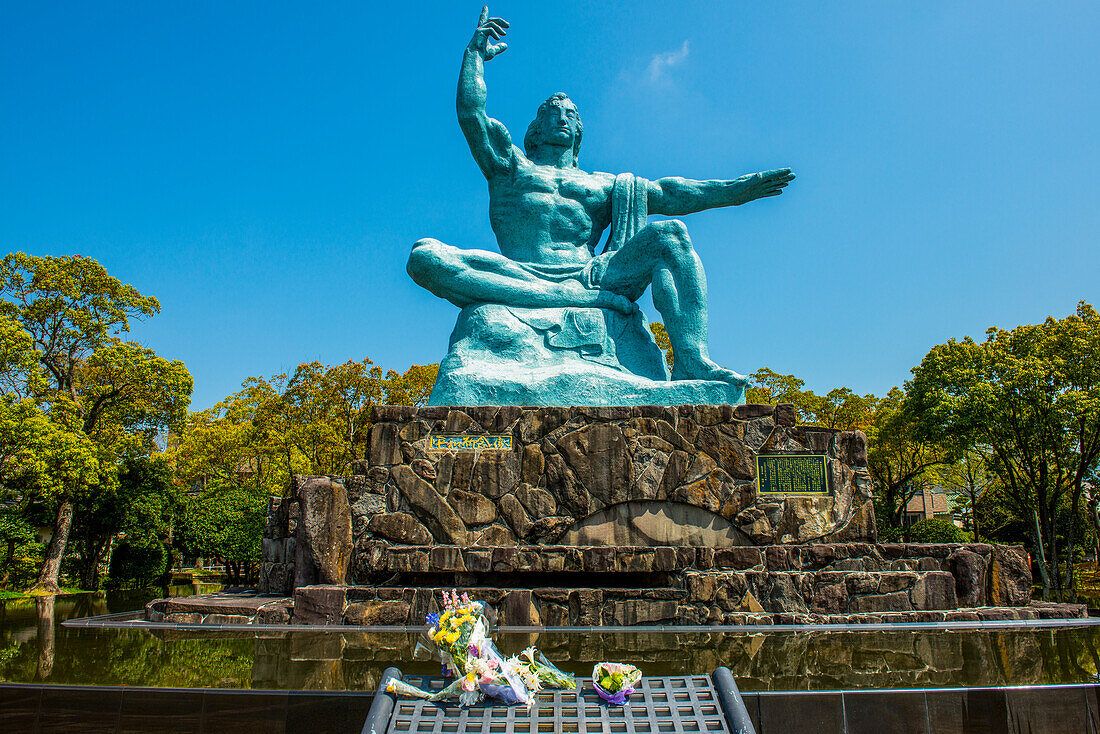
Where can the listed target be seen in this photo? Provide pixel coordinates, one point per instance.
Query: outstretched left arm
(675, 196)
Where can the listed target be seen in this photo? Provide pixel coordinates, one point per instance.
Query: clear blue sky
(263, 168)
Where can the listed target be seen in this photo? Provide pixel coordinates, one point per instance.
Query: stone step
(556, 607)
(821, 592)
(813, 557)
(983, 574)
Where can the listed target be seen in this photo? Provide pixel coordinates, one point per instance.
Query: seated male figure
(549, 216)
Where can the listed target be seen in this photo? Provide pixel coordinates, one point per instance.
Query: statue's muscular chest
(564, 195)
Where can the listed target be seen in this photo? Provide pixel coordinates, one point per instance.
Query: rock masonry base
(611, 516)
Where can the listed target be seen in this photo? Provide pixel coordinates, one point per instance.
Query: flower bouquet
(614, 682)
(460, 638)
(539, 673)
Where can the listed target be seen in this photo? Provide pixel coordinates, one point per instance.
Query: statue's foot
(702, 368)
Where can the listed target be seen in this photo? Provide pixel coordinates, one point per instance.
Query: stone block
(378, 613)
(400, 527)
(271, 550)
(599, 457)
(323, 550)
(226, 619)
(703, 587)
(319, 604)
(863, 583)
(1009, 577)
(969, 570)
(446, 558)
(184, 618)
(472, 508)
(479, 561)
(896, 581)
(749, 411)
(519, 608)
(495, 534)
(934, 590)
(585, 607)
(274, 612)
(830, 598)
(642, 611)
(385, 448)
(444, 523)
(785, 415)
(897, 601)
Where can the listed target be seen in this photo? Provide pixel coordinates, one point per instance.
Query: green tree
(139, 504)
(901, 461)
(225, 522)
(413, 386)
(840, 408)
(660, 335)
(771, 388)
(971, 483)
(935, 530)
(1032, 395)
(116, 393)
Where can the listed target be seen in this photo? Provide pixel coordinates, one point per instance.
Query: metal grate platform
(661, 705)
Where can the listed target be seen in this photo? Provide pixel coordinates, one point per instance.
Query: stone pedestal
(644, 475)
(614, 515)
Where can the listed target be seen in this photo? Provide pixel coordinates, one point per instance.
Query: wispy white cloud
(659, 65)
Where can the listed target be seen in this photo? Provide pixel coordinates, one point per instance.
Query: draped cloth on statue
(508, 355)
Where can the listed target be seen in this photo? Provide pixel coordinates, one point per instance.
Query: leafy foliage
(136, 563)
(839, 408)
(936, 530)
(1032, 396)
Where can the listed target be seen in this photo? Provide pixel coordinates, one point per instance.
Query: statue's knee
(673, 236)
(424, 258)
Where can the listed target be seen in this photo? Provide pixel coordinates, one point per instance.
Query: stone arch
(653, 523)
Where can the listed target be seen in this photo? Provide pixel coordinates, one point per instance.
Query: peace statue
(548, 321)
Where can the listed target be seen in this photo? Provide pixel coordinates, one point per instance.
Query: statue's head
(556, 122)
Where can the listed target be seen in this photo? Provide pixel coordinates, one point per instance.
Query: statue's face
(558, 122)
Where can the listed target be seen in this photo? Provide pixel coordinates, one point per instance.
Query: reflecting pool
(35, 647)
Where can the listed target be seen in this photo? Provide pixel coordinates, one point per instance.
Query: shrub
(936, 530)
(136, 564)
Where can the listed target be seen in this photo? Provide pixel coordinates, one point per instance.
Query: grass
(1088, 578)
(9, 594)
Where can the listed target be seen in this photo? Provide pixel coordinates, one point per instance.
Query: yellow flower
(451, 637)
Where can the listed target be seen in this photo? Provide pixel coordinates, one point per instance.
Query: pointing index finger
(484, 14)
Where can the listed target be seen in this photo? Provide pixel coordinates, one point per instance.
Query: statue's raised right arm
(488, 139)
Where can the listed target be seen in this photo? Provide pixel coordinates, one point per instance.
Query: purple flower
(433, 619)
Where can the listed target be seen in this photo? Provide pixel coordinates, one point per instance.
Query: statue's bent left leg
(661, 254)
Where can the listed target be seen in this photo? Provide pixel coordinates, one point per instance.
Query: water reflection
(34, 647)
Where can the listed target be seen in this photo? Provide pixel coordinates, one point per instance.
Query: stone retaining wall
(841, 583)
(740, 598)
(630, 476)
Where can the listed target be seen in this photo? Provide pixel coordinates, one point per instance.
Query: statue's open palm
(489, 28)
(766, 183)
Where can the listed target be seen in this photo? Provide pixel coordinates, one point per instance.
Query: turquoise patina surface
(547, 321)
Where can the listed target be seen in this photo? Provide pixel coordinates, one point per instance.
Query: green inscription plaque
(791, 474)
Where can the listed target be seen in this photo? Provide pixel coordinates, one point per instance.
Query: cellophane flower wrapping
(539, 673)
(614, 682)
(459, 637)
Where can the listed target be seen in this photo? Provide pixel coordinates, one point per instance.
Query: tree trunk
(44, 613)
(1071, 533)
(1037, 540)
(51, 565)
(8, 563)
